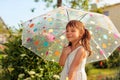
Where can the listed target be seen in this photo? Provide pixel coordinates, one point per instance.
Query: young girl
(73, 56)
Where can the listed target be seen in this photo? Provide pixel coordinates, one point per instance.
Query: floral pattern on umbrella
(45, 34)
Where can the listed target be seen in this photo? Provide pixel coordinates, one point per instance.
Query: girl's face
(72, 34)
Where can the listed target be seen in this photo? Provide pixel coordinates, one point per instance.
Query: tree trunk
(59, 3)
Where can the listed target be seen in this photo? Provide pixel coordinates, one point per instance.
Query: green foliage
(48, 3)
(20, 63)
(3, 29)
(112, 62)
(101, 74)
(88, 68)
(79, 4)
(98, 10)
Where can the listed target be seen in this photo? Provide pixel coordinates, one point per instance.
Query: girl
(73, 57)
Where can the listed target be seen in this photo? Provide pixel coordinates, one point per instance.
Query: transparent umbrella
(45, 34)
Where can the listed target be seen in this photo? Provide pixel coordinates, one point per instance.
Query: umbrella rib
(83, 16)
(99, 48)
(102, 28)
(67, 14)
(62, 33)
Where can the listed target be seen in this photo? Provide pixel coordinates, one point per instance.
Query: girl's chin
(69, 40)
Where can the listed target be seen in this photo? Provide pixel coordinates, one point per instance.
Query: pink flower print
(101, 52)
(50, 37)
(91, 15)
(116, 36)
(98, 28)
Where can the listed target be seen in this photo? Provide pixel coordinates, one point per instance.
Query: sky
(14, 12)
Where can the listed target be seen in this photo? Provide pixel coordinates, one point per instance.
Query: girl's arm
(65, 52)
(76, 61)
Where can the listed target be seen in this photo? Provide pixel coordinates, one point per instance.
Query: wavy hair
(85, 34)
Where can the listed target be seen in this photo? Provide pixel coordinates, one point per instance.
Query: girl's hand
(71, 77)
(67, 50)
(64, 55)
(66, 78)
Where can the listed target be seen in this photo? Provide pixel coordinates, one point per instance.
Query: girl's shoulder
(81, 50)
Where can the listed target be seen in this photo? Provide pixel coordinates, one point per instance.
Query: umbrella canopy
(105, 37)
(45, 34)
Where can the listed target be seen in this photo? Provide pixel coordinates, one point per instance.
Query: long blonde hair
(85, 34)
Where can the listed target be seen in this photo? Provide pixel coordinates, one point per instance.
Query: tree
(59, 3)
(79, 4)
(3, 27)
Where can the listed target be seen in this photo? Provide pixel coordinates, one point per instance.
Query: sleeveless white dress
(80, 74)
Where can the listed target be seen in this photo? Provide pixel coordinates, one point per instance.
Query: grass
(99, 74)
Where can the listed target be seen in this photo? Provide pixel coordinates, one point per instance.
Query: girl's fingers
(66, 78)
(65, 45)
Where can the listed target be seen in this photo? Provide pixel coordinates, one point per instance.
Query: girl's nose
(68, 32)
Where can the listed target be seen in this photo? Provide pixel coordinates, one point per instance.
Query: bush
(88, 68)
(20, 63)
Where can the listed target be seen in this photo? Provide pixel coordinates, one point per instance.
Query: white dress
(80, 74)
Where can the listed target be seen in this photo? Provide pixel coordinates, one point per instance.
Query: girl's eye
(70, 31)
(66, 30)
(73, 31)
